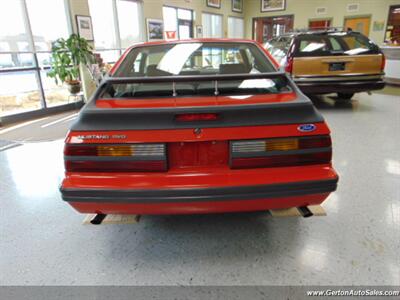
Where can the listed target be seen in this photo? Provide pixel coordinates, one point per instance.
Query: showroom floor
(43, 241)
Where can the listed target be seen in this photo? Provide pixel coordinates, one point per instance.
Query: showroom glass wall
(26, 34)
(117, 24)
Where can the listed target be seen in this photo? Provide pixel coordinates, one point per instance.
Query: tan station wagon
(330, 61)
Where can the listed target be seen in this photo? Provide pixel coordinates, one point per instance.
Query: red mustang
(199, 126)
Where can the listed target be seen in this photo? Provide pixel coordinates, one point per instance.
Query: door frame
(357, 17)
(265, 17)
(394, 6)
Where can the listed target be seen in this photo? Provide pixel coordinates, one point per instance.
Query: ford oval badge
(306, 127)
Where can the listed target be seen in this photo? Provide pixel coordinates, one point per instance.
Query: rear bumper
(320, 85)
(205, 200)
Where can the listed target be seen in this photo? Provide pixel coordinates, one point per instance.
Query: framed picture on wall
(237, 6)
(214, 3)
(378, 25)
(85, 28)
(155, 30)
(272, 5)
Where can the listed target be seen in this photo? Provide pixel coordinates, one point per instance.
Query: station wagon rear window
(336, 43)
(195, 59)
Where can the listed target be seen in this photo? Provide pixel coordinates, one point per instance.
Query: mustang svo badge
(306, 127)
(101, 136)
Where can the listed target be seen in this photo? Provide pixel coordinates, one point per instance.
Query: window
(278, 29)
(116, 26)
(336, 43)
(178, 23)
(25, 44)
(19, 92)
(212, 25)
(184, 59)
(103, 24)
(13, 38)
(128, 23)
(176, 59)
(235, 28)
(43, 34)
(170, 22)
(313, 45)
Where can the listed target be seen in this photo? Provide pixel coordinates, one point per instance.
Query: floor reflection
(34, 168)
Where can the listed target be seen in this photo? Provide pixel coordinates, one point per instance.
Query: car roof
(186, 41)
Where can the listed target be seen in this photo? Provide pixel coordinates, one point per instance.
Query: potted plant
(67, 55)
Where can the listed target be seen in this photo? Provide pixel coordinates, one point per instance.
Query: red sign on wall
(170, 35)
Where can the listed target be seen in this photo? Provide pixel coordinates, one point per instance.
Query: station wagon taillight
(289, 65)
(383, 62)
(280, 152)
(115, 158)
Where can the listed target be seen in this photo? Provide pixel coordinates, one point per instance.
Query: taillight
(281, 152)
(196, 117)
(115, 158)
(383, 62)
(115, 166)
(289, 65)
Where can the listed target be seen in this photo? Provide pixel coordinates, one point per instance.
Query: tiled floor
(42, 129)
(42, 240)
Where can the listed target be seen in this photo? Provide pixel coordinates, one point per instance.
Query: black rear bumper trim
(199, 195)
(323, 87)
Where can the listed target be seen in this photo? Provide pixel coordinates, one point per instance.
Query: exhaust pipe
(98, 219)
(305, 212)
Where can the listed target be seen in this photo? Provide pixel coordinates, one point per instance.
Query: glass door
(178, 23)
(266, 28)
(392, 34)
(185, 24)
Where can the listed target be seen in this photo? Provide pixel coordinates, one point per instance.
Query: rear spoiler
(93, 118)
(107, 82)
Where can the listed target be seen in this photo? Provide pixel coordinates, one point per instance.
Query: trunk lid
(192, 142)
(238, 100)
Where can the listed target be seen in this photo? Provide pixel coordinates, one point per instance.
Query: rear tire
(344, 97)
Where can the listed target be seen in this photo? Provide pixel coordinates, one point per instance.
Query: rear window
(191, 59)
(337, 43)
(194, 59)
